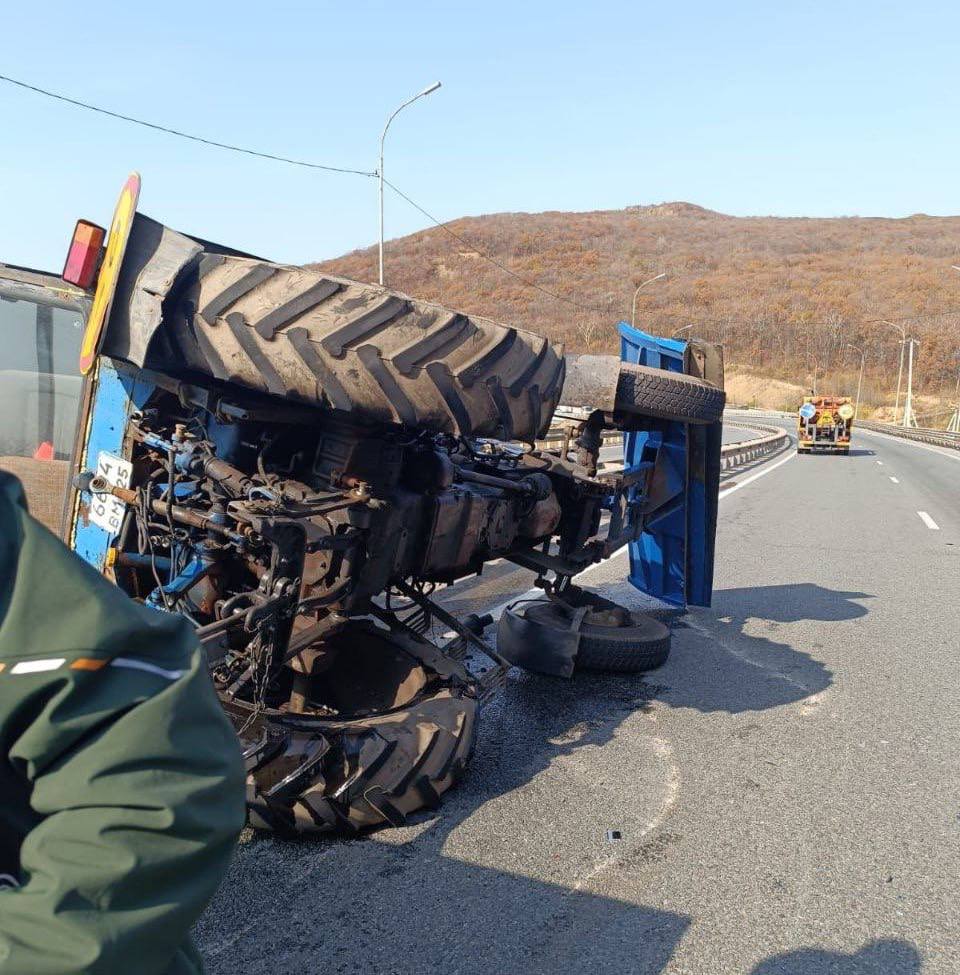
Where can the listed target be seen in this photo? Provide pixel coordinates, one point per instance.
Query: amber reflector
(81, 266)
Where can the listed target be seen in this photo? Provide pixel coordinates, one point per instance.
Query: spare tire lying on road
(580, 630)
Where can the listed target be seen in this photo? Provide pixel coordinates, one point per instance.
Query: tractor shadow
(746, 653)
(477, 887)
(721, 662)
(501, 877)
(887, 957)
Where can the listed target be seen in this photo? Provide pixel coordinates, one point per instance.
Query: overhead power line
(492, 260)
(582, 306)
(183, 135)
(296, 162)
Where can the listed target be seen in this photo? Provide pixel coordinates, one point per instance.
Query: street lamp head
(900, 328)
(379, 171)
(633, 310)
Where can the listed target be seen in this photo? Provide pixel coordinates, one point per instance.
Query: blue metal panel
(117, 392)
(703, 483)
(658, 559)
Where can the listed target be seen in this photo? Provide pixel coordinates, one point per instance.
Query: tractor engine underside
(305, 546)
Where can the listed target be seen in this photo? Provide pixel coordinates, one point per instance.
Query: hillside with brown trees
(786, 296)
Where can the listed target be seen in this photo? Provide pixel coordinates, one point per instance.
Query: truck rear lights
(84, 254)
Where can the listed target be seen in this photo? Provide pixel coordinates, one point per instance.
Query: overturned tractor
(296, 462)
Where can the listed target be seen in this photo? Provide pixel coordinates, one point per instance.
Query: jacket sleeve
(136, 783)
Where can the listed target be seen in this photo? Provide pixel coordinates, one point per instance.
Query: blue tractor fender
(673, 559)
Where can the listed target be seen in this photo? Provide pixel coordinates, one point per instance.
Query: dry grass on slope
(784, 295)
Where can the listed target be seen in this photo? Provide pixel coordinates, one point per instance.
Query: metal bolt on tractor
(296, 462)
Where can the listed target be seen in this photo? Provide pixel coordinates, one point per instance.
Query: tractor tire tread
(303, 335)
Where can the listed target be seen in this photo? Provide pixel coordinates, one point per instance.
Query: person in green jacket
(121, 782)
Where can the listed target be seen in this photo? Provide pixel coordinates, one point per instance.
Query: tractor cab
(41, 325)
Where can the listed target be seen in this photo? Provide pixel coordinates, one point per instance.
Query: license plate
(106, 511)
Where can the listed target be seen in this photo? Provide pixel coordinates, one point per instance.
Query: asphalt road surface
(786, 788)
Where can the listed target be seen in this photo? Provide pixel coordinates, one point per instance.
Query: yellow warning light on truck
(823, 423)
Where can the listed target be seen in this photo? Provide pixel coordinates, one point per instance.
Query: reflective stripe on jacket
(122, 783)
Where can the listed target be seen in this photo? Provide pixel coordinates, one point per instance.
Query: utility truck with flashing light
(824, 424)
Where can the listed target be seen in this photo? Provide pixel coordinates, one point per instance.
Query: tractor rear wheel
(383, 357)
(403, 735)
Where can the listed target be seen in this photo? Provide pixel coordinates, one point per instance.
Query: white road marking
(753, 477)
(895, 481)
(880, 462)
(928, 521)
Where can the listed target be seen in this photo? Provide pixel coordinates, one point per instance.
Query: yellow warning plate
(109, 271)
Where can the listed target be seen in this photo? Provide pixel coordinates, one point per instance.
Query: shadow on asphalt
(720, 662)
(889, 957)
(408, 903)
(790, 604)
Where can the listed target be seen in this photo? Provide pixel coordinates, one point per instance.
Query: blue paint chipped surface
(118, 391)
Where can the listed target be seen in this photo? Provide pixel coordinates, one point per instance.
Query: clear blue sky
(821, 108)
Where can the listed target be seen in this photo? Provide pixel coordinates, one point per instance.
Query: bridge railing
(770, 440)
(939, 438)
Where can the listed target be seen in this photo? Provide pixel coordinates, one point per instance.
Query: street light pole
(383, 135)
(908, 419)
(633, 310)
(863, 358)
(903, 342)
(954, 425)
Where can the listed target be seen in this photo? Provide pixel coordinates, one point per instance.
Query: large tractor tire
(383, 357)
(404, 736)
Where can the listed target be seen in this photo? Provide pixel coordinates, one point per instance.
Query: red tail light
(84, 254)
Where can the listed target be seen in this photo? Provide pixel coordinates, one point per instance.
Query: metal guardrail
(939, 438)
(731, 454)
(742, 452)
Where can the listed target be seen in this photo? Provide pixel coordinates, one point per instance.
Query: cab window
(39, 394)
